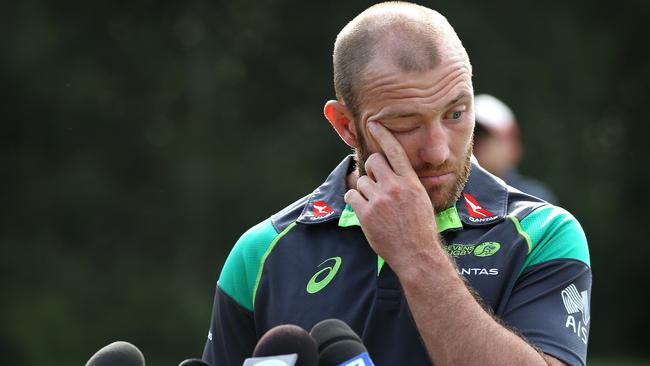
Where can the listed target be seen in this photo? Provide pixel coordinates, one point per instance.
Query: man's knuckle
(372, 160)
(363, 181)
(380, 202)
(393, 189)
(367, 165)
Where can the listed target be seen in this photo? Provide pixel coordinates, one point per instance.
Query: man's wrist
(419, 264)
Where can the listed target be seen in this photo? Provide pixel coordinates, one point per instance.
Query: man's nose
(435, 147)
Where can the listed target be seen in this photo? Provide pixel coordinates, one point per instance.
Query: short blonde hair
(407, 34)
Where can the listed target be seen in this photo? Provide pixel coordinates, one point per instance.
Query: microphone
(117, 354)
(283, 345)
(339, 345)
(193, 362)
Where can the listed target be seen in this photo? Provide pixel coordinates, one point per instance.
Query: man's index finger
(392, 149)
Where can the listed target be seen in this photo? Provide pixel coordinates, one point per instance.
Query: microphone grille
(117, 354)
(287, 339)
(193, 362)
(336, 341)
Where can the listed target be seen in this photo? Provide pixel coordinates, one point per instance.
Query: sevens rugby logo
(576, 302)
(314, 285)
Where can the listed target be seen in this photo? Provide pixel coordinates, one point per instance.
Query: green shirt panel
(240, 272)
(554, 234)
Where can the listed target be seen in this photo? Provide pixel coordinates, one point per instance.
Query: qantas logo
(476, 212)
(474, 208)
(321, 208)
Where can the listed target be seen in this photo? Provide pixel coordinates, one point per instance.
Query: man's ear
(340, 118)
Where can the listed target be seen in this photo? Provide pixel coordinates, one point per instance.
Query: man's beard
(442, 197)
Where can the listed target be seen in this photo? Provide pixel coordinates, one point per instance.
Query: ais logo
(577, 307)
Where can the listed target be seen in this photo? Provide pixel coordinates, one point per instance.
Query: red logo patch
(322, 209)
(475, 209)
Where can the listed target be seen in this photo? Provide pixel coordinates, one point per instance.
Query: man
(497, 146)
(428, 257)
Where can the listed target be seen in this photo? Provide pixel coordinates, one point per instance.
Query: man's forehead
(385, 77)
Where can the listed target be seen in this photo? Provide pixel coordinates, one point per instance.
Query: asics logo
(315, 284)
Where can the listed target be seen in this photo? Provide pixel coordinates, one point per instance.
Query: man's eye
(404, 131)
(456, 114)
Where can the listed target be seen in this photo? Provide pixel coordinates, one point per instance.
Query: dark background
(139, 139)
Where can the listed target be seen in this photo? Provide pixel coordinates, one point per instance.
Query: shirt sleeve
(550, 302)
(232, 332)
(232, 336)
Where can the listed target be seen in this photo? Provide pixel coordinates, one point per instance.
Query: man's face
(430, 114)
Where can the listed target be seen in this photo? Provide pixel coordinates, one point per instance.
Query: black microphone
(288, 344)
(339, 345)
(193, 362)
(117, 354)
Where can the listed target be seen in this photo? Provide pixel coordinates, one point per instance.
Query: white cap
(493, 114)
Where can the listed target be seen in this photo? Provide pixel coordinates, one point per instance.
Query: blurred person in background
(498, 147)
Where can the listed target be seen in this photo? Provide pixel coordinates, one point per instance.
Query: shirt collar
(445, 220)
(326, 202)
(483, 201)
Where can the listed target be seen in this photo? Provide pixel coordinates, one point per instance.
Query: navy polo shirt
(526, 259)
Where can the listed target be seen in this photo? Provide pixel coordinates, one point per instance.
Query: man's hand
(393, 207)
(398, 220)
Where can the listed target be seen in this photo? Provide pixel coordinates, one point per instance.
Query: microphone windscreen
(193, 362)
(336, 341)
(117, 354)
(287, 339)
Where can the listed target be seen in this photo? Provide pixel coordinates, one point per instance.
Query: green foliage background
(139, 139)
